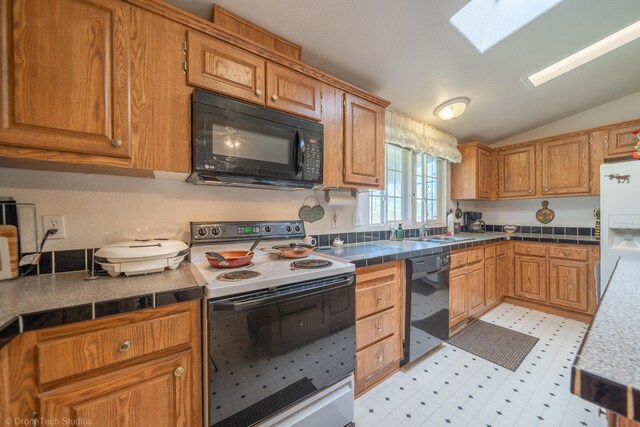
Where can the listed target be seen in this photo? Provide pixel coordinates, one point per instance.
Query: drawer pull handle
(179, 371)
(274, 97)
(565, 253)
(125, 346)
(258, 92)
(301, 323)
(116, 142)
(379, 300)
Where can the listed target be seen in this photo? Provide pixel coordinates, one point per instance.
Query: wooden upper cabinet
(218, 66)
(472, 178)
(155, 393)
(293, 92)
(619, 142)
(531, 278)
(568, 283)
(566, 166)
(363, 143)
(517, 172)
(333, 122)
(66, 76)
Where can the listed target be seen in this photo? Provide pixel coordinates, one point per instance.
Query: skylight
(487, 22)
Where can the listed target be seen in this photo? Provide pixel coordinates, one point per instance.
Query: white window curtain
(420, 137)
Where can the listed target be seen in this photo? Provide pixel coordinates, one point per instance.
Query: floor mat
(496, 344)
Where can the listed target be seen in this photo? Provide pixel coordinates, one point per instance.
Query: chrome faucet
(424, 229)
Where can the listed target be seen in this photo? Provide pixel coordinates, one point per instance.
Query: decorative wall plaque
(545, 215)
(311, 213)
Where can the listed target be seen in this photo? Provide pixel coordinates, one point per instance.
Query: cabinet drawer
(530, 249)
(60, 358)
(376, 357)
(458, 260)
(490, 252)
(376, 327)
(475, 255)
(376, 298)
(578, 254)
(501, 249)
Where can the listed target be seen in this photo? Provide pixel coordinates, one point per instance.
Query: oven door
(271, 349)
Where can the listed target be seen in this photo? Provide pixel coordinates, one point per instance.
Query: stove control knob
(297, 228)
(267, 229)
(202, 232)
(215, 231)
(288, 229)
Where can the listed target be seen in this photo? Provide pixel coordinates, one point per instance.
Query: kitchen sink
(441, 239)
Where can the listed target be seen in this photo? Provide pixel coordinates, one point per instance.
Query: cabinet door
(154, 393)
(531, 278)
(363, 143)
(502, 275)
(476, 288)
(333, 121)
(490, 281)
(215, 65)
(293, 92)
(568, 284)
(620, 142)
(566, 166)
(66, 76)
(517, 172)
(458, 296)
(485, 172)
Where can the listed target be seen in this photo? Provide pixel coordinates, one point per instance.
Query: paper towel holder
(341, 192)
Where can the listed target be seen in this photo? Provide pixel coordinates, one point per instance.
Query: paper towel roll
(339, 198)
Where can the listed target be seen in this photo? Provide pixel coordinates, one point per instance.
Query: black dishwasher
(427, 304)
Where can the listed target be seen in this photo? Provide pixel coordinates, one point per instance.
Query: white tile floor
(450, 387)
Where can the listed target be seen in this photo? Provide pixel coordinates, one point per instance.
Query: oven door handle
(231, 305)
(440, 270)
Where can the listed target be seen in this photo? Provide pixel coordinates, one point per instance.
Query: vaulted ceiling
(408, 52)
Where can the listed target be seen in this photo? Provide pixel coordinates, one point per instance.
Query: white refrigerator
(619, 216)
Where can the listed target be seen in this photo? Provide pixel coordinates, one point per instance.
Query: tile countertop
(21, 298)
(376, 252)
(607, 368)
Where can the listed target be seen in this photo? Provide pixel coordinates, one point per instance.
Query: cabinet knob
(528, 250)
(546, 189)
(530, 191)
(125, 346)
(380, 358)
(274, 97)
(258, 92)
(377, 179)
(565, 253)
(554, 265)
(116, 142)
(539, 263)
(379, 299)
(379, 328)
(301, 323)
(179, 371)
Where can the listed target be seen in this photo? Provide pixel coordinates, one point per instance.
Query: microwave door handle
(300, 147)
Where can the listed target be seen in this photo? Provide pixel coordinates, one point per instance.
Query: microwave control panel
(312, 169)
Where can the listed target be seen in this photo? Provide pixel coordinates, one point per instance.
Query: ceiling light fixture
(589, 53)
(451, 109)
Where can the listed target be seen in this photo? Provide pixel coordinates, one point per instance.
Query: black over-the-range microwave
(243, 144)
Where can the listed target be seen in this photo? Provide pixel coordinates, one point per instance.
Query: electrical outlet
(57, 222)
(356, 220)
(334, 220)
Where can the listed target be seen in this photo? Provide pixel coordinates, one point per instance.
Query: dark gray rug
(494, 343)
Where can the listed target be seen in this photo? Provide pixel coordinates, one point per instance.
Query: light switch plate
(356, 220)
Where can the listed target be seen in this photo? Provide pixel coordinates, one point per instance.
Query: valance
(420, 137)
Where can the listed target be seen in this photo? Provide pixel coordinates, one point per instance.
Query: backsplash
(556, 231)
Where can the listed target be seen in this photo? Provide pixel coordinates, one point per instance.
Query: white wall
(620, 110)
(569, 211)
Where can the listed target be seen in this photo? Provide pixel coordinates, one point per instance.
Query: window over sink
(413, 189)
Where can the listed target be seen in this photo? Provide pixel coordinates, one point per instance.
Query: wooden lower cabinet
(379, 322)
(617, 420)
(503, 270)
(490, 281)
(476, 289)
(153, 393)
(458, 291)
(568, 283)
(530, 278)
(123, 370)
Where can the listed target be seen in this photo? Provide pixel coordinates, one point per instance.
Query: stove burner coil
(310, 263)
(236, 276)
